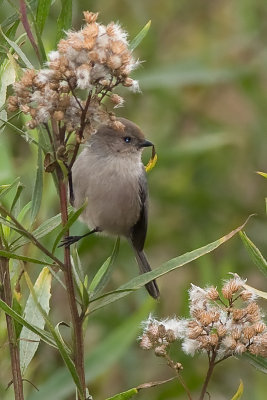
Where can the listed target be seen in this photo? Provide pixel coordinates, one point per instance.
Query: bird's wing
(138, 232)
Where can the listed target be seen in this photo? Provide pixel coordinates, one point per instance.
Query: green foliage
(140, 36)
(38, 187)
(254, 253)
(203, 104)
(29, 341)
(42, 13)
(65, 19)
(113, 346)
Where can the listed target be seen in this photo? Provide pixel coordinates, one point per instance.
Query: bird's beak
(146, 143)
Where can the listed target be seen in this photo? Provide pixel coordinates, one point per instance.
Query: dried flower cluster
(220, 325)
(96, 59)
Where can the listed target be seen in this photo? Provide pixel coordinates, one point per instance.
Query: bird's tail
(144, 266)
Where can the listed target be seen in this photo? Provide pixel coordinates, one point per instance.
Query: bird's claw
(69, 240)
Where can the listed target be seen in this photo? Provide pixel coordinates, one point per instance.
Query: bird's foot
(69, 240)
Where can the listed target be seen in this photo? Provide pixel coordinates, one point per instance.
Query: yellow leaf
(239, 392)
(153, 160)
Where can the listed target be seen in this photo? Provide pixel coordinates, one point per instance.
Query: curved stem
(76, 319)
(208, 376)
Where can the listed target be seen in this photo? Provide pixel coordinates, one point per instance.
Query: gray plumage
(110, 174)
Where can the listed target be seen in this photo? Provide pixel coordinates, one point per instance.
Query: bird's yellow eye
(127, 139)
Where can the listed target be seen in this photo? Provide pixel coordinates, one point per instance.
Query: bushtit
(110, 174)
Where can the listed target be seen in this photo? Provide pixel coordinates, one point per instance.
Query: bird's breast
(111, 186)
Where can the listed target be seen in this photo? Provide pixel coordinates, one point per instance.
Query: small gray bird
(110, 174)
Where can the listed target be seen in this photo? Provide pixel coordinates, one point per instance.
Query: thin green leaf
(64, 19)
(19, 190)
(140, 36)
(22, 214)
(258, 362)
(14, 129)
(44, 335)
(124, 395)
(72, 218)
(8, 76)
(8, 254)
(10, 33)
(257, 292)
(60, 336)
(16, 16)
(63, 349)
(42, 13)
(5, 189)
(29, 340)
(102, 276)
(131, 392)
(38, 186)
(16, 306)
(239, 392)
(110, 350)
(169, 266)
(44, 229)
(254, 253)
(18, 51)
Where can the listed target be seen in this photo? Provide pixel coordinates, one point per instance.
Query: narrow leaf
(42, 13)
(257, 292)
(64, 19)
(254, 253)
(131, 392)
(44, 229)
(8, 254)
(124, 395)
(102, 276)
(239, 392)
(38, 186)
(5, 189)
(72, 218)
(45, 336)
(140, 36)
(63, 349)
(169, 266)
(258, 362)
(18, 51)
(19, 190)
(110, 350)
(29, 340)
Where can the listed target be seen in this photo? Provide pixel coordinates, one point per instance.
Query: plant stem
(208, 376)
(6, 295)
(76, 319)
(174, 366)
(32, 238)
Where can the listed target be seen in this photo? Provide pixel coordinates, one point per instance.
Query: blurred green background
(203, 104)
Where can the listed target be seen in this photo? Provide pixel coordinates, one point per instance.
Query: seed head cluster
(220, 325)
(94, 59)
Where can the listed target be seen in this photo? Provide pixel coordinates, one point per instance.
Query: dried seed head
(259, 327)
(160, 351)
(249, 332)
(212, 293)
(236, 333)
(146, 343)
(221, 330)
(153, 332)
(170, 336)
(161, 331)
